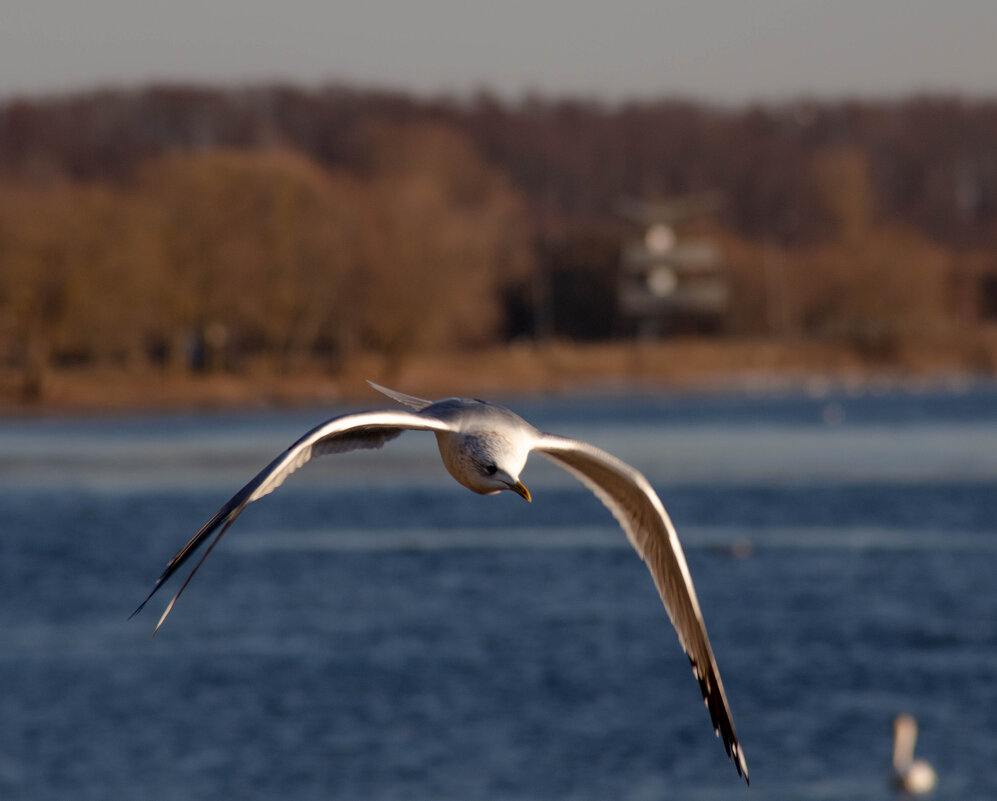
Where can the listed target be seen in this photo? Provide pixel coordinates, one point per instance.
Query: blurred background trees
(255, 252)
(273, 227)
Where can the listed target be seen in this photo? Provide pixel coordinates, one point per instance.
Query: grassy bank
(689, 364)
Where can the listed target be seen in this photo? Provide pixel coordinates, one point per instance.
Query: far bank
(524, 368)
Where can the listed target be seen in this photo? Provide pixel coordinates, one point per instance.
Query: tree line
(215, 258)
(205, 227)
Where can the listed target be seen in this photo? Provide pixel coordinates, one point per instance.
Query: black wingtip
(169, 607)
(736, 756)
(141, 606)
(159, 583)
(723, 726)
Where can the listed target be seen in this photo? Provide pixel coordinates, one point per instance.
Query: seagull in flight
(484, 446)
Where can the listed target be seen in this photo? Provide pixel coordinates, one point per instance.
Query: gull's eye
(491, 469)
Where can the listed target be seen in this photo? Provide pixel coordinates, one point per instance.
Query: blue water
(374, 631)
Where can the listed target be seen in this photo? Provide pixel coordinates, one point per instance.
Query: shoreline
(686, 365)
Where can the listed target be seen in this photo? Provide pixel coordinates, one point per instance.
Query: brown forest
(182, 228)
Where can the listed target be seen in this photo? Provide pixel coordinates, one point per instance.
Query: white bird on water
(914, 776)
(484, 447)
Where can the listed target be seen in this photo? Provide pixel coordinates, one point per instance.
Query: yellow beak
(520, 489)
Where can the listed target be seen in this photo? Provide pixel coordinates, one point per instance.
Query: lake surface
(374, 631)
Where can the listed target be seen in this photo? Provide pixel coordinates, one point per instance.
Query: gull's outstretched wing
(636, 506)
(345, 433)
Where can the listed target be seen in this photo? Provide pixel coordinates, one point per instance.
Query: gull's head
(494, 479)
(495, 464)
(486, 463)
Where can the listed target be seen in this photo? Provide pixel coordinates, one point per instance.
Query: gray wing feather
(400, 397)
(637, 508)
(345, 433)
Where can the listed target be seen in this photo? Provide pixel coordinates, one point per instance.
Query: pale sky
(726, 51)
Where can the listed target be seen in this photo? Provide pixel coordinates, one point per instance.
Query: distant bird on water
(914, 776)
(484, 447)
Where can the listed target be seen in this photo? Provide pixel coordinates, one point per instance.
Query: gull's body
(485, 447)
(913, 776)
